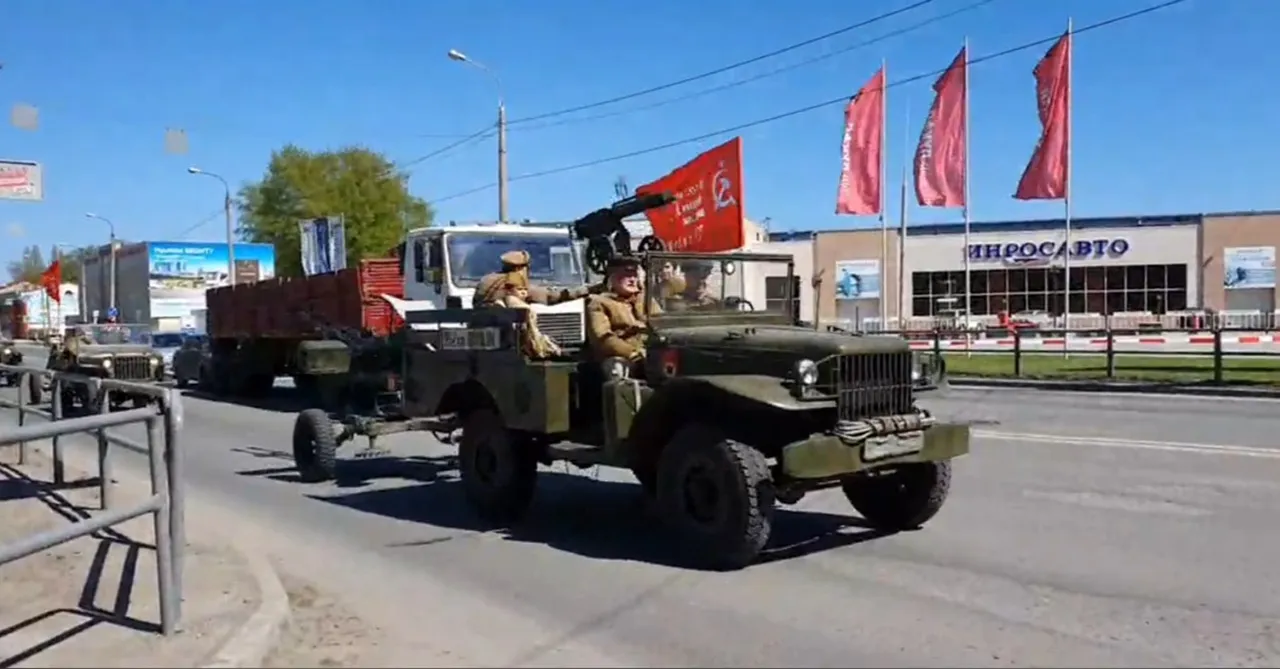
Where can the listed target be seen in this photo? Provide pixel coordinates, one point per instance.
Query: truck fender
(464, 397)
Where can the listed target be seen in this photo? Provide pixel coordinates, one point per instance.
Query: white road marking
(1108, 442)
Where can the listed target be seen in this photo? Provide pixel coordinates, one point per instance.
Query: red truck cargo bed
(295, 308)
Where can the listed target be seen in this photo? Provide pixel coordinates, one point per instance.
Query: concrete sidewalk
(94, 601)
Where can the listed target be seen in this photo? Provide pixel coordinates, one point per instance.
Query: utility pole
(459, 57)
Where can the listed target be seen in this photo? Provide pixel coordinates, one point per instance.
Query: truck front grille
(564, 329)
(873, 384)
(131, 367)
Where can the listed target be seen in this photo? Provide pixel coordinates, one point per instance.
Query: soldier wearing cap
(617, 318)
(515, 267)
(693, 292)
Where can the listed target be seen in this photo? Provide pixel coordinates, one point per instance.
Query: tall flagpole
(1066, 205)
(902, 220)
(967, 220)
(884, 226)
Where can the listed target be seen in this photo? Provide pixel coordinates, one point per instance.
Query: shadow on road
(606, 520)
(16, 485)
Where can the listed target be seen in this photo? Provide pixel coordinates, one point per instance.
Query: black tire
(902, 500)
(499, 471)
(35, 389)
(315, 447)
(728, 531)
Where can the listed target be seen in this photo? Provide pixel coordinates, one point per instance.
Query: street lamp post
(460, 57)
(111, 289)
(226, 212)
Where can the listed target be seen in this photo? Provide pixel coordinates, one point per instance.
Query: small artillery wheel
(651, 243)
(315, 446)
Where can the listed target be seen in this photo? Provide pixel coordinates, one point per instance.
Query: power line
(813, 107)
(765, 75)
(469, 139)
(726, 68)
(208, 218)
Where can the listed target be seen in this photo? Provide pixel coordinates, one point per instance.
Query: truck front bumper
(828, 456)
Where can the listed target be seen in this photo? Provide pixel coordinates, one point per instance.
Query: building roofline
(1031, 225)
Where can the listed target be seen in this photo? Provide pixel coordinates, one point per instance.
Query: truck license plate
(470, 339)
(889, 447)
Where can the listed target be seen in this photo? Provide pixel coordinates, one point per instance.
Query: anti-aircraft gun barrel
(604, 232)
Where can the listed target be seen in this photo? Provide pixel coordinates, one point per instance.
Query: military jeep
(109, 351)
(733, 408)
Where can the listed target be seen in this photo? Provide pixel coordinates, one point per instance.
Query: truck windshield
(475, 254)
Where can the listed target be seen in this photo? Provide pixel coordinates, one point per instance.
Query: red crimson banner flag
(707, 215)
(51, 280)
(862, 153)
(941, 154)
(1045, 177)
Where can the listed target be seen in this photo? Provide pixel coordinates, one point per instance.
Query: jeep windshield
(552, 261)
(723, 288)
(112, 334)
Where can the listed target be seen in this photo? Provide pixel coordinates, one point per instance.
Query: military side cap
(515, 259)
(622, 262)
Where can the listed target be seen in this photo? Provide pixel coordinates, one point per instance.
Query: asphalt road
(1083, 531)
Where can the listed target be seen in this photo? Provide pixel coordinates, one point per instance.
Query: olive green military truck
(110, 351)
(734, 409)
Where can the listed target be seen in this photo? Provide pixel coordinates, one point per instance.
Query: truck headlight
(7, 352)
(155, 362)
(807, 372)
(106, 363)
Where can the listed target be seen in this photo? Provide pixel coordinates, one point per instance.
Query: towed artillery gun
(734, 410)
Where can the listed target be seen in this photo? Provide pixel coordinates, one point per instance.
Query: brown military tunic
(616, 325)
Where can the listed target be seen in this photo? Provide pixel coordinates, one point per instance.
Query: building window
(775, 295)
(1099, 290)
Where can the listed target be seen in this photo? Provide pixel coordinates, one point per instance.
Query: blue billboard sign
(179, 273)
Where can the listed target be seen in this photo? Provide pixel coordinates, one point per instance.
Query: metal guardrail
(166, 504)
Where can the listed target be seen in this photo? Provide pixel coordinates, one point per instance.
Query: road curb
(1116, 387)
(250, 643)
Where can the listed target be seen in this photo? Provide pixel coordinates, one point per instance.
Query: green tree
(29, 267)
(360, 185)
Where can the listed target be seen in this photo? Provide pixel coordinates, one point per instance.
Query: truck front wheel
(719, 496)
(903, 499)
(499, 470)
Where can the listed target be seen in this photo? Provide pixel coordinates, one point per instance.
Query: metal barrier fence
(1254, 321)
(1044, 344)
(162, 416)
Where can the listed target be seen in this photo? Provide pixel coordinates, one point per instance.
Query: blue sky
(1173, 111)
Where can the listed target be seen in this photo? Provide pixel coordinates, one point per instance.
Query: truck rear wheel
(903, 499)
(315, 446)
(499, 471)
(719, 496)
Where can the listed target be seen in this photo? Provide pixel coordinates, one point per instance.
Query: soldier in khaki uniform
(616, 319)
(515, 266)
(693, 291)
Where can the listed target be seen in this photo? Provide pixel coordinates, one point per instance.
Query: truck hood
(796, 342)
(403, 307)
(764, 350)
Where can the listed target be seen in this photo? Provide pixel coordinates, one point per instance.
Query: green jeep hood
(795, 341)
(90, 350)
(769, 350)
